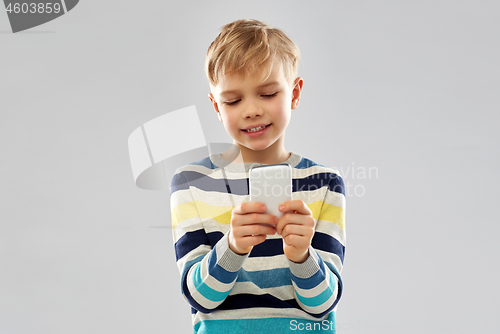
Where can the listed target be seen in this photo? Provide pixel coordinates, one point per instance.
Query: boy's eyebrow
(268, 84)
(261, 86)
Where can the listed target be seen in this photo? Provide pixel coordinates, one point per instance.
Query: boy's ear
(215, 105)
(296, 91)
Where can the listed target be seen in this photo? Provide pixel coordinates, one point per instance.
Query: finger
(290, 219)
(296, 241)
(299, 230)
(254, 229)
(259, 218)
(245, 244)
(295, 206)
(294, 219)
(249, 207)
(254, 240)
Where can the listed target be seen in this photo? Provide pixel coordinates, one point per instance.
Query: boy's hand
(297, 230)
(250, 226)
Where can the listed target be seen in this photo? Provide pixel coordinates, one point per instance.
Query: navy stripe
(316, 181)
(214, 237)
(244, 300)
(322, 241)
(183, 180)
(337, 184)
(270, 247)
(178, 183)
(327, 243)
(191, 240)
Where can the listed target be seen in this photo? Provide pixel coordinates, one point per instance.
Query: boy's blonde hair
(250, 46)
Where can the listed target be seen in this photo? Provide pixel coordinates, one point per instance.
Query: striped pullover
(263, 291)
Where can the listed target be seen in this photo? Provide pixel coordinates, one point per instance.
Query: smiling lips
(255, 128)
(257, 133)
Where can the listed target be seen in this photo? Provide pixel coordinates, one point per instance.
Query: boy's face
(245, 101)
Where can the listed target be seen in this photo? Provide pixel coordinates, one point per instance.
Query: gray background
(407, 88)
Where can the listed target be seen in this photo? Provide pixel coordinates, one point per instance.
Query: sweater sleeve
(207, 274)
(317, 281)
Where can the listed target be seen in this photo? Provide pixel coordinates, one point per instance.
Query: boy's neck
(268, 157)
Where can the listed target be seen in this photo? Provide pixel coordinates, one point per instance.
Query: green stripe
(267, 325)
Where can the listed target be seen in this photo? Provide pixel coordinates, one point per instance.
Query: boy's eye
(269, 95)
(231, 103)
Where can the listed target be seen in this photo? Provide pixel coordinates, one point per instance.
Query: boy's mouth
(256, 129)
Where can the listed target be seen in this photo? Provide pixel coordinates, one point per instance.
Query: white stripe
(188, 225)
(283, 292)
(252, 264)
(64, 6)
(331, 229)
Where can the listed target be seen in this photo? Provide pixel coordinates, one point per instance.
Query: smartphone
(271, 185)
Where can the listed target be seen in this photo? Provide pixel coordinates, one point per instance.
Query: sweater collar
(220, 162)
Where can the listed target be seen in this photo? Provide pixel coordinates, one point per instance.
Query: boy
(242, 270)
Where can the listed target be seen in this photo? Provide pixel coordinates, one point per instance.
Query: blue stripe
(306, 163)
(184, 286)
(266, 278)
(314, 280)
(205, 162)
(322, 297)
(219, 273)
(205, 290)
(189, 264)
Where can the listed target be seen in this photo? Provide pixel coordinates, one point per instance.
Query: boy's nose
(253, 109)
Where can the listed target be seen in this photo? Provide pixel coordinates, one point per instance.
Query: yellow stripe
(188, 210)
(222, 214)
(330, 213)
